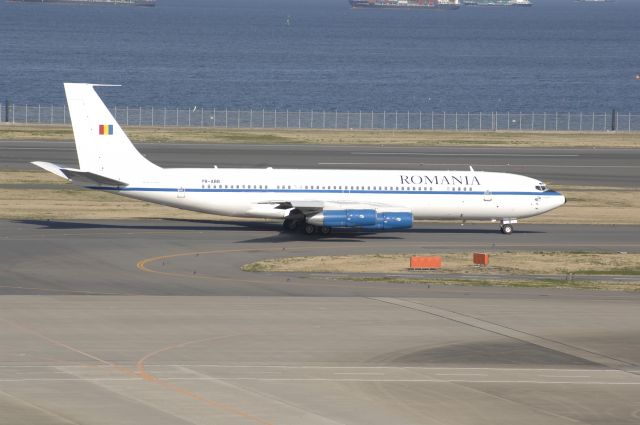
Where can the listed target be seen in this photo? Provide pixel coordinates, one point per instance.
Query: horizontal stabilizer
(79, 176)
(52, 168)
(86, 176)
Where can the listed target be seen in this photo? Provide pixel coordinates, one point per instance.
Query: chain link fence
(361, 120)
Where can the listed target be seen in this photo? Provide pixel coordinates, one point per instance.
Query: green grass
(341, 136)
(517, 283)
(624, 271)
(258, 138)
(255, 267)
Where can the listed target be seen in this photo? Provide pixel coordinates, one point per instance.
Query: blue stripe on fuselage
(383, 192)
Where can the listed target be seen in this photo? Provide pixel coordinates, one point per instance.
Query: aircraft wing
(300, 205)
(311, 207)
(327, 214)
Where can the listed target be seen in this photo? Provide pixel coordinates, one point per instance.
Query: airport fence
(360, 120)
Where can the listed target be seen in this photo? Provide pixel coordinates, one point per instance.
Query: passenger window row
(312, 187)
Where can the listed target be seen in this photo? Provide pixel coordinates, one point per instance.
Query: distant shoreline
(148, 3)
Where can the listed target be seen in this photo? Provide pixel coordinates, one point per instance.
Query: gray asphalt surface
(57, 254)
(585, 167)
(152, 321)
(100, 322)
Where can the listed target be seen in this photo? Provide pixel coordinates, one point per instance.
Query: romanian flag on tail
(105, 130)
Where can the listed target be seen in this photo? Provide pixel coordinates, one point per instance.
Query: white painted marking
(486, 381)
(565, 376)
(244, 366)
(227, 378)
(69, 379)
(40, 408)
(376, 163)
(39, 149)
(515, 155)
(372, 367)
(461, 374)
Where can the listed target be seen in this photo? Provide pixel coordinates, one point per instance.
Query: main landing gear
(310, 229)
(291, 225)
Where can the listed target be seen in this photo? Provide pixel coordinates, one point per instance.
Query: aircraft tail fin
(102, 146)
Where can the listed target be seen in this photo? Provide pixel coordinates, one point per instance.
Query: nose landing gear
(506, 226)
(506, 229)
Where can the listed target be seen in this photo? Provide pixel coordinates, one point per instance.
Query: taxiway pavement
(152, 321)
(100, 323)
(149, 257)
(583, 167)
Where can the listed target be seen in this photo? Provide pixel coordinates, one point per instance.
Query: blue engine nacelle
(394, 220)
(369, 219)
(344, 218)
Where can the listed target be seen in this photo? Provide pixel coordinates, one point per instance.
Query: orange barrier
(418, 262)
(480, 259)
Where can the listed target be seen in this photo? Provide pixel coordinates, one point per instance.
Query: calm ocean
(320, 54)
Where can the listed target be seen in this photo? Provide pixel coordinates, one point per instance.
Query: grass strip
(337, 137)
(506, 269)
(500, 263)
(515, 283)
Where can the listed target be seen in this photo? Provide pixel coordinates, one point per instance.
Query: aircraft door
(181, 192)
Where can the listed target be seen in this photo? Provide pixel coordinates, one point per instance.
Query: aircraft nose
(555, 200)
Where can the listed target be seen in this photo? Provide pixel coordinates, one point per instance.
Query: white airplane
(314, 201)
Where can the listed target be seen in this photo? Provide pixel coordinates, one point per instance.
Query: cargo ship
(115, 2)
(407, 4)
(521, 3)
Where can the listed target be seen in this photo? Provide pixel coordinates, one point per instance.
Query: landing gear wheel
(309, 229)
(325, 230)
(290, 224)
(506, 229)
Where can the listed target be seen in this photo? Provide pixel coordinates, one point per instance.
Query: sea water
(558, 55)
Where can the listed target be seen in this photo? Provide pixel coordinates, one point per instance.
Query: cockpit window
(542, 187)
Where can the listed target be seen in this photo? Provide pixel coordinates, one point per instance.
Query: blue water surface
(559, 55)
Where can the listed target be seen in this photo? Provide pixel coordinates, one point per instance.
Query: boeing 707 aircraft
(314, 201)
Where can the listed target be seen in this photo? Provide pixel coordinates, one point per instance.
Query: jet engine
(365, 218)
(344, 218)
